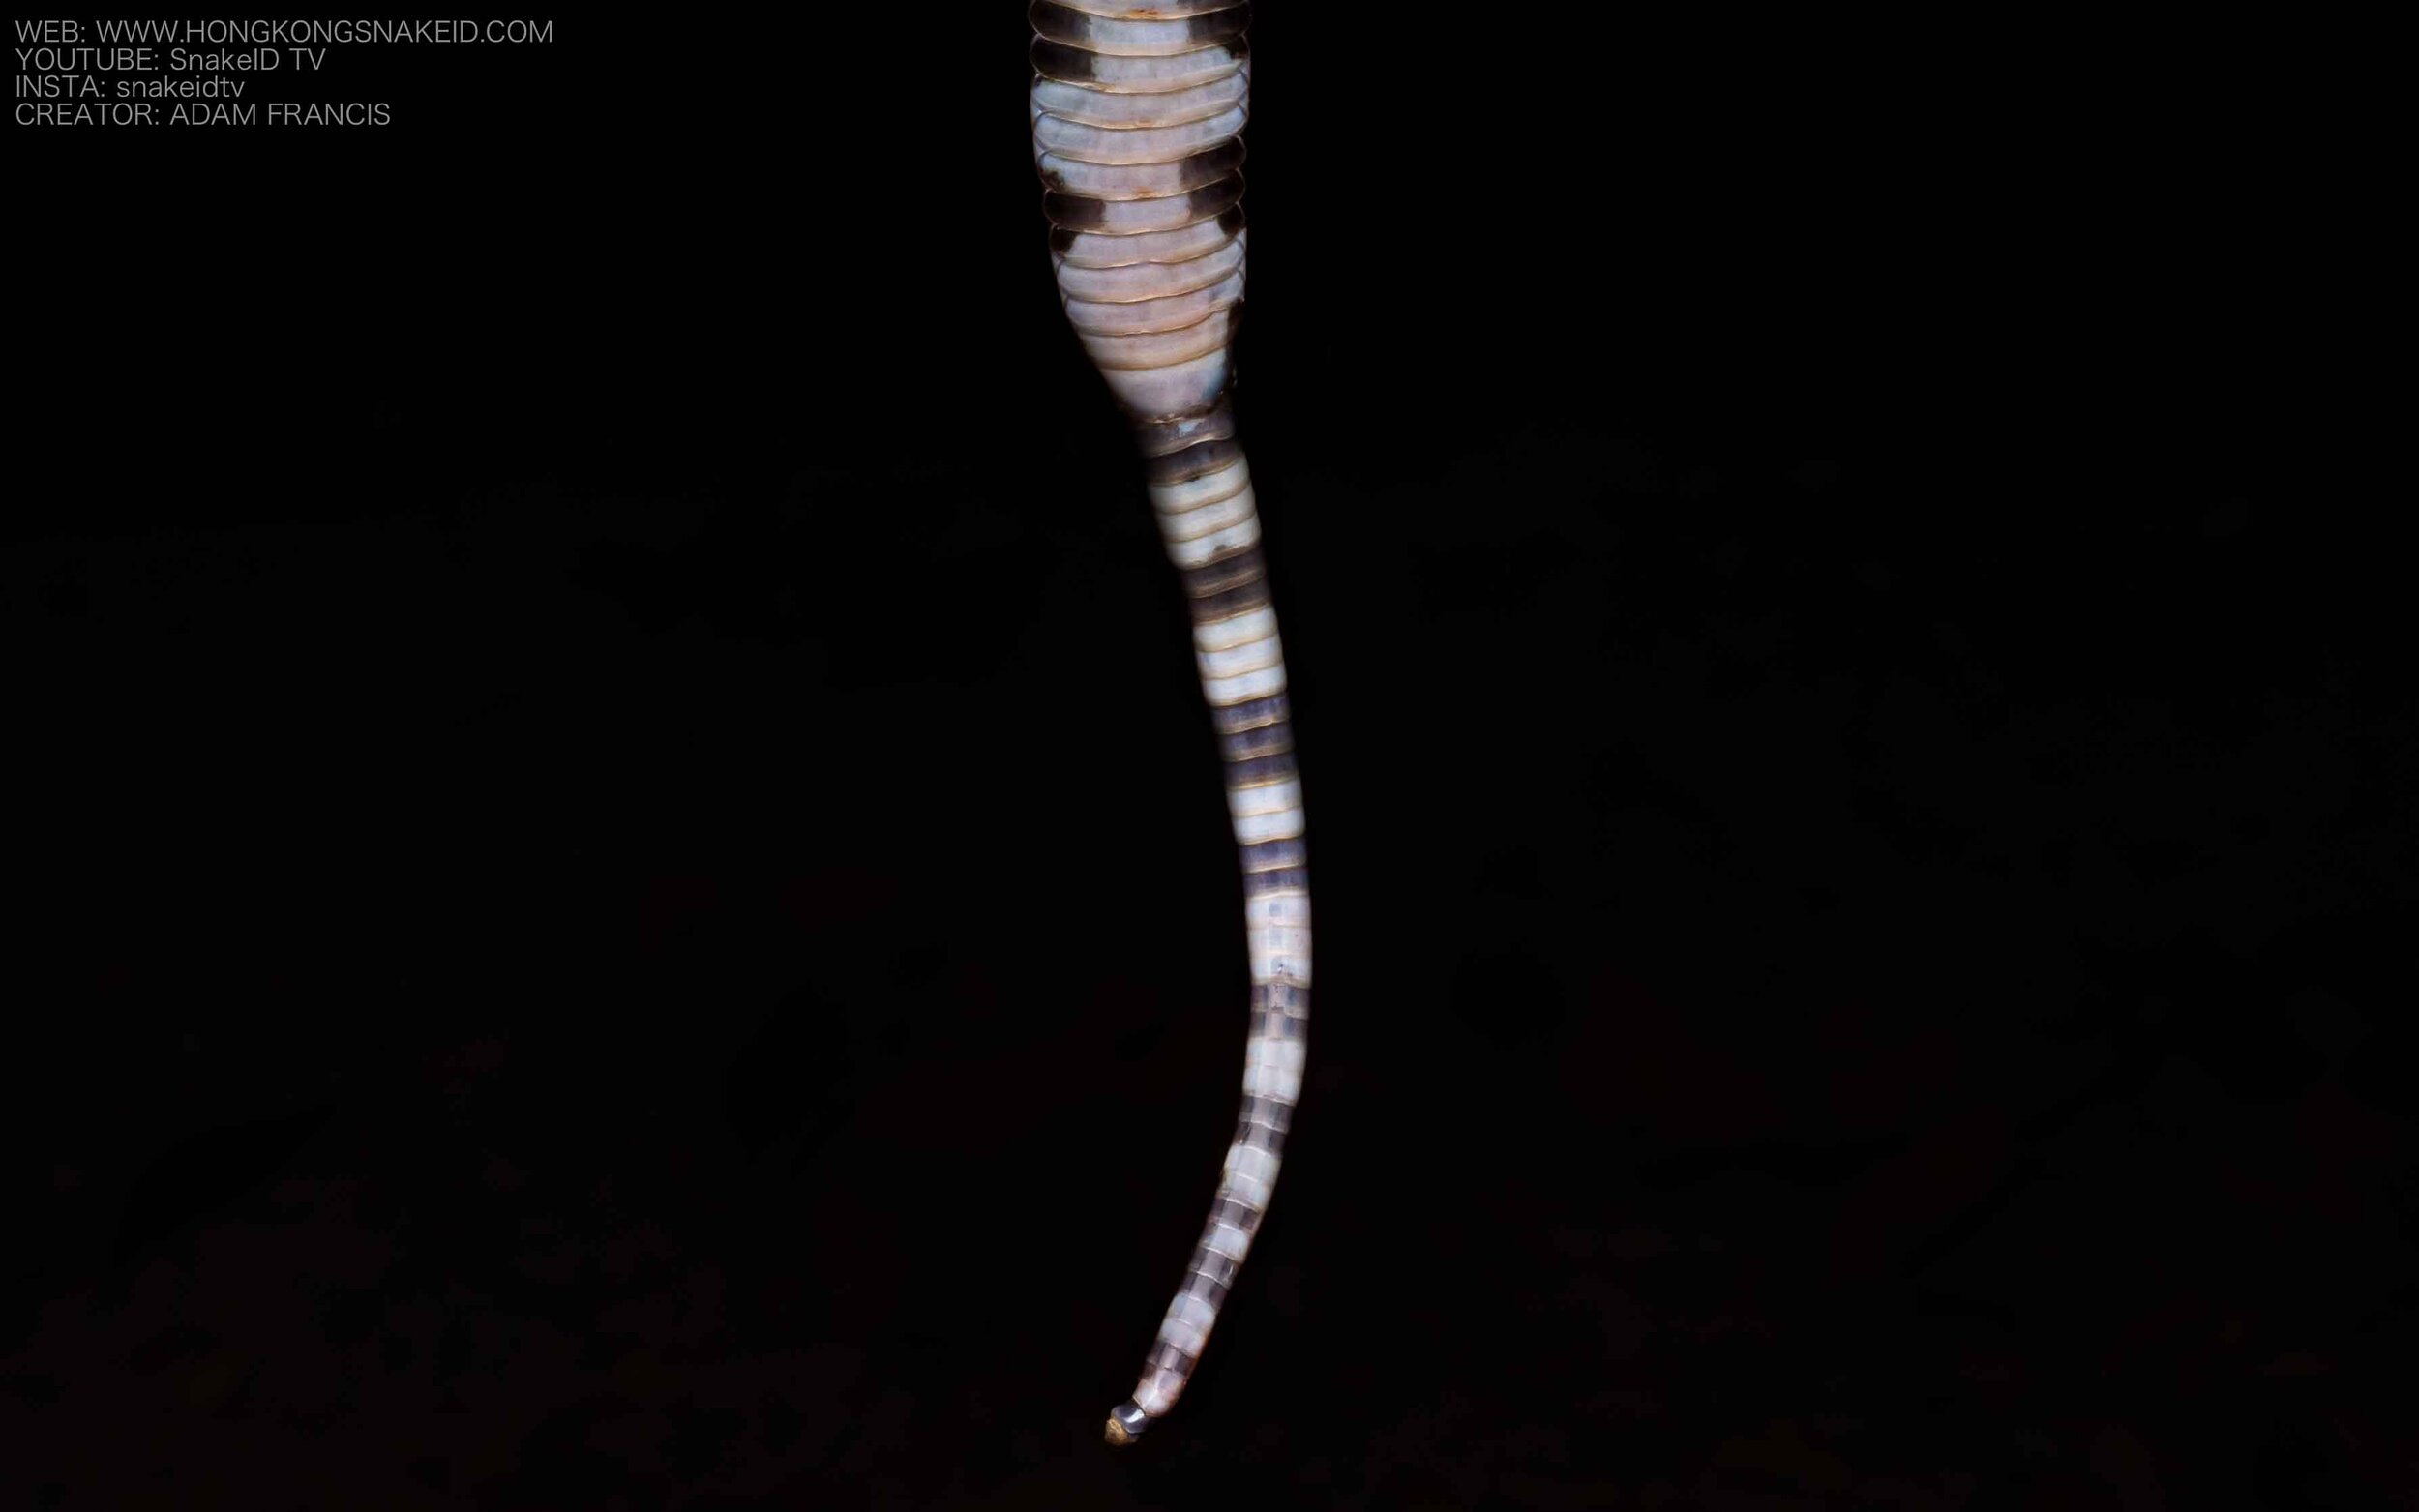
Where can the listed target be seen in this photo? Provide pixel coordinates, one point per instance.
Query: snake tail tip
(1125, 1424)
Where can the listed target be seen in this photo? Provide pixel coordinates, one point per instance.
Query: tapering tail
(1137, 113)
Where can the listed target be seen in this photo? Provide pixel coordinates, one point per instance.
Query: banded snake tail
(1137, 113)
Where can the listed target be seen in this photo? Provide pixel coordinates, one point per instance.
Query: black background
(625, 901)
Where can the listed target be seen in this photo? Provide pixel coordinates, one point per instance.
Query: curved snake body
(1137, 114)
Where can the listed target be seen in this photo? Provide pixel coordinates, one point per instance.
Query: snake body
(1137, 115)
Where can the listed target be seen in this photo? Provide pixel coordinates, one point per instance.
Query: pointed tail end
(1125, 1424)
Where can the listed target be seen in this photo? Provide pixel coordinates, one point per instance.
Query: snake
(1137, 116)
